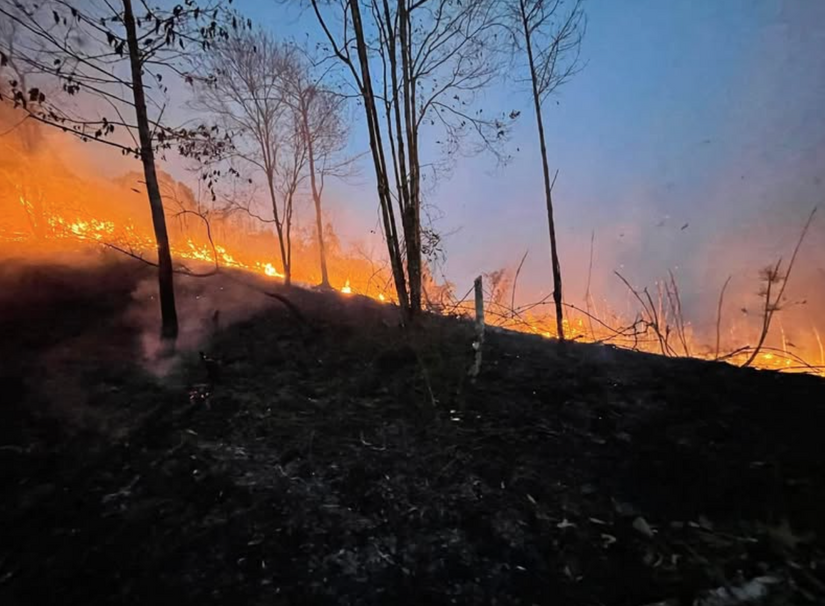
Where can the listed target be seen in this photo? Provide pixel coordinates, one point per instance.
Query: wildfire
(94, 230)
(268, 270)
(85, 230)
(97, 231)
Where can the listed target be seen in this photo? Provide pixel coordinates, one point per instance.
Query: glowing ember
(347, 290)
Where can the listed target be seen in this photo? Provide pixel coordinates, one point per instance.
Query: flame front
(63, 232)
(62, 212)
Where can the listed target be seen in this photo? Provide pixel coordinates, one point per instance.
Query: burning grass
(659, 326)
(50, 210)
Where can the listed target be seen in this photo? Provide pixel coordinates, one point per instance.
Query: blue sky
(706, 113)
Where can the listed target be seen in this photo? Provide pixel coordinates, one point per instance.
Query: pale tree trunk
(169, 316)
(478, 344)
(548, 186)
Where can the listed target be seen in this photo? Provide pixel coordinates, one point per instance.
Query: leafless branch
(772, 276)
(719, 315)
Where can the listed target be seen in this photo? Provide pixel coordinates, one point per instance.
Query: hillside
(347, 461)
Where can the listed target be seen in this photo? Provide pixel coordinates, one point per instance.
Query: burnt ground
(351, 462)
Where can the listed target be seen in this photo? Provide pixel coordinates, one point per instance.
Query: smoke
(204, 306)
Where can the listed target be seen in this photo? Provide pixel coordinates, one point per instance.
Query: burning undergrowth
(51, 210)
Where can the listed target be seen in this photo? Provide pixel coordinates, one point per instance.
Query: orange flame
(99, 231)
(62, 212)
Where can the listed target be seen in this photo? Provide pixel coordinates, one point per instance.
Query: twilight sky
(706, 113)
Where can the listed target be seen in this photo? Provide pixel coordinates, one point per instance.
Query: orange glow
(51, 210)
(65, 232)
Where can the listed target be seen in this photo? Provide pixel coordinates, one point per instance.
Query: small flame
(270, 270)
(381, 297)
(346, 290)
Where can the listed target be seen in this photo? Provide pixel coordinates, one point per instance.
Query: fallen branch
(181, 270)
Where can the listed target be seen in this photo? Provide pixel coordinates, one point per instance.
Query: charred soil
(346, 460)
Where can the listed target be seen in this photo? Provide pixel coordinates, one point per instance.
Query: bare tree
(246, 87)
(291, 172)
(432, 59)
(17, 75)
(550, 36)
(105, 58)
(320, 112)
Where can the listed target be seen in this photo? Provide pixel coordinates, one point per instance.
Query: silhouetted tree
(246, 87)
(91, 67)
(549, 35)
(321, 119)
(416, 64)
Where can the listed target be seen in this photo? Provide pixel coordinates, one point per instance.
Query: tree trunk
(377, 149)
(316, 198)
(279, 228)
(478, 345)
(319, 227)
(412, 223)
(412, 234)
(404, 173)
(169, 316)
(288, 240)
(548, 187)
